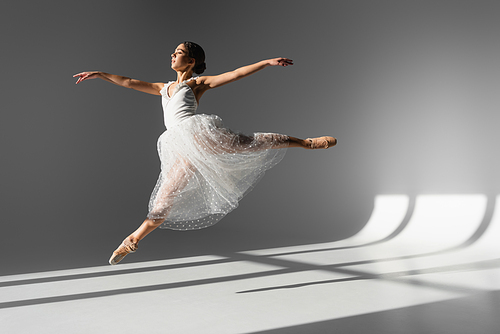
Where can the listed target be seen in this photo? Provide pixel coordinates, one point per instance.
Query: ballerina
(205, 168)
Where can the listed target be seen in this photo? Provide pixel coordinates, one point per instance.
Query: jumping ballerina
(205, 168)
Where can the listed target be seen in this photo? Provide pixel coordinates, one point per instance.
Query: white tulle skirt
(206, 169)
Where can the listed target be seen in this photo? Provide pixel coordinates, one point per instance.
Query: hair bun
(200, 68)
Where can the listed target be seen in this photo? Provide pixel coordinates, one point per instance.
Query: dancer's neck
(183, 76)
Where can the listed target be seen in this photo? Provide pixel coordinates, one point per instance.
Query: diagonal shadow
(70, 277)
(488, 264)
(156, 287)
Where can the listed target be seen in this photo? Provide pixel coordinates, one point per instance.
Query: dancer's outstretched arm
(209, 82)
(142, 86)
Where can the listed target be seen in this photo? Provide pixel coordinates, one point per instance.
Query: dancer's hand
(86, 75)
(280, 61)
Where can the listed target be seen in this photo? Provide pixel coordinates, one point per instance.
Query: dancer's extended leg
(263, 141)
(177, 178)
(313, 143)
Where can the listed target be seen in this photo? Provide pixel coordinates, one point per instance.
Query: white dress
(205, 168)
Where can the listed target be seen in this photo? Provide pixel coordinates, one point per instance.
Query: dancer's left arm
(209, 82)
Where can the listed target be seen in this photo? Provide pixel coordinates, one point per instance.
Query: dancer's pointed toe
(123, 250)
(322, 142)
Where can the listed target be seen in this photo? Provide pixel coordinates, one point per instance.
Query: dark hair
(195, 51)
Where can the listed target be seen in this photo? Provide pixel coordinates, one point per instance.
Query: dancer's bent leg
(177, 178)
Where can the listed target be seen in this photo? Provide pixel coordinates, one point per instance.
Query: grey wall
(410, 88)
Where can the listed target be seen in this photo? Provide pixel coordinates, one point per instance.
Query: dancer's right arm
(142, 86)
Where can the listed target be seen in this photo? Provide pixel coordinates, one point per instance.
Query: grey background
(410, 88)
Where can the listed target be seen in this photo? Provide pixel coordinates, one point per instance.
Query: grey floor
(429, 264)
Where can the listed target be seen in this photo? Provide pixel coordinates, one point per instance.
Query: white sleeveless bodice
(180, 106)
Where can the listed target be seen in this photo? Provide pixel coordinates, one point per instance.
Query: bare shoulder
(204, 83)
(200, 81)
(198, 86)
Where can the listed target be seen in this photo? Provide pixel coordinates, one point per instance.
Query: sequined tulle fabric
(206, 168)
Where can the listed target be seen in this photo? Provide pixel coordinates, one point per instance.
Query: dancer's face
(180, 58)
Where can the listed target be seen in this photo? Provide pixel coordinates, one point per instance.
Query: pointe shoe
(123, 250)
(322, 142)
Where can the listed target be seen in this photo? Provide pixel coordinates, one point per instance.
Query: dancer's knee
(154, 222)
